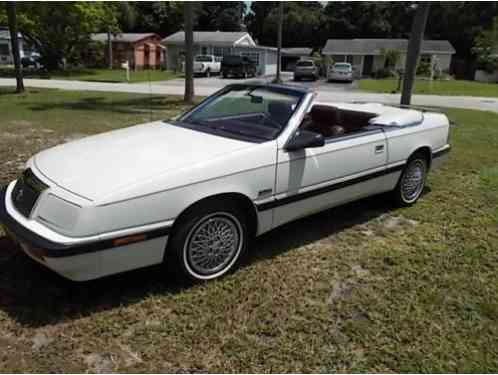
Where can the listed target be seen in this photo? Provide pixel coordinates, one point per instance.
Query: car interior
(331, 121)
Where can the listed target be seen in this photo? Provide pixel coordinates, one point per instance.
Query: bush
(424, 68)
(385, 73)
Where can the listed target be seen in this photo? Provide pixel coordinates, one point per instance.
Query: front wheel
(412, 181)
(208, 241)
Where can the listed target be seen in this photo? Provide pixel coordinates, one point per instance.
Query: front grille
(26, 192)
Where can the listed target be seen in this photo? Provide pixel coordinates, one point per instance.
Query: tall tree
(189, 51)
(220, 15)
(256, 18)
(413, 52)
(161, 17)
(14, 40)
(304, 20)
(62, 31)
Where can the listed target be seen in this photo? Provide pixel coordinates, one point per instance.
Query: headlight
(57, 212)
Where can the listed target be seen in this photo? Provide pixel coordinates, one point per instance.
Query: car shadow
(35, 296)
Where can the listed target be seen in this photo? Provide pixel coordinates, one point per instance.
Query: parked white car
(193, 192)
(340, 72)
(305, 69)
(207, 65)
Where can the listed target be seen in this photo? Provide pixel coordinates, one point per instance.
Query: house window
(425, 58)
(204, 50)
(253, 56)
(4, 49)
(222, 51)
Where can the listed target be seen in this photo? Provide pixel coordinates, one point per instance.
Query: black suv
(238, 66)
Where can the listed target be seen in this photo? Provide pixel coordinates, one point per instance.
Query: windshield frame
(300, 94)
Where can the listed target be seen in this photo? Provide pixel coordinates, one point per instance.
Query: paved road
(206, 86)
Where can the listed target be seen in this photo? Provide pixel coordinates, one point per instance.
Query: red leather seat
(324, 120)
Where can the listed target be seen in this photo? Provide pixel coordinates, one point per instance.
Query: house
(6, 57)
(367, 55)
(290, 56)
(141, 50)
(221, 43)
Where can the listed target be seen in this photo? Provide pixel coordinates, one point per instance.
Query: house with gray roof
(219, 44)
(367, 55)
(6, 57)
(290, 56)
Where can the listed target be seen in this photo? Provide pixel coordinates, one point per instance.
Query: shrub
(385, 73)
(424, 68)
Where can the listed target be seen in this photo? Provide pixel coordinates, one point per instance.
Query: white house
(6, 57)
(367, 55)
(221, 43)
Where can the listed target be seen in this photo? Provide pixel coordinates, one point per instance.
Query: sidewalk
(176, 87)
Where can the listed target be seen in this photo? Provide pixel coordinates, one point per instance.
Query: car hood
(99, 165)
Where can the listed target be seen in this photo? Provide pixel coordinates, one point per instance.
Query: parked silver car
(305, 69)
(340, 72)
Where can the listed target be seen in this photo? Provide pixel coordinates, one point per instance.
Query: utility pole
(279, 40)
(189, 51)
(413, 52)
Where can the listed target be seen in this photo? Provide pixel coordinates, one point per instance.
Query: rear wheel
(208, 73)
(412, 181)
(209, 241)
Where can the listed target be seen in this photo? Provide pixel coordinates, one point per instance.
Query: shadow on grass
(104, 104)
(35, 296)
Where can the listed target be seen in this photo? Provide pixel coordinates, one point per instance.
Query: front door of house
(367, 65)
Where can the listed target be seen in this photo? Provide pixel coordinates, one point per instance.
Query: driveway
(206, 86)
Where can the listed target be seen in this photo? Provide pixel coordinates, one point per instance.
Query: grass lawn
(363, 287)
(453, 87)
(98, 75)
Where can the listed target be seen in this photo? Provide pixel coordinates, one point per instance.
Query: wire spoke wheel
(413, 180)
(213, 244)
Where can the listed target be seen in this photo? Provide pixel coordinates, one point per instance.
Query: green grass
(98, 75)
(361, 288)
(453, 87)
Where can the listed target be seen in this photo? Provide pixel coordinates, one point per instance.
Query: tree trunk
(413, 52)
(189, 51)
(278, 79)
(12, 16)
(109, 48)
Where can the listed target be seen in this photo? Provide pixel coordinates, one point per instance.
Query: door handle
(379, 149)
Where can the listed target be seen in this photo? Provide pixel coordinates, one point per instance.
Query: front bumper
(340, 77)
(86, 260)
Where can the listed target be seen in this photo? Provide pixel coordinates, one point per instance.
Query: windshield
(304, 63)
(342, 66)
(203, 58)
(252, 113)
(232, 60)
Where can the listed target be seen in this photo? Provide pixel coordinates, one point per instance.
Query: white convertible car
(192, 192)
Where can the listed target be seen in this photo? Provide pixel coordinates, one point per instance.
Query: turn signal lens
(128, 240)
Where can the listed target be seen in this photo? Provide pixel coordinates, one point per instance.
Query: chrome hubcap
(213, 244)
(413, 181)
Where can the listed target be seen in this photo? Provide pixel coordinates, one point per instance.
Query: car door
(344, 169)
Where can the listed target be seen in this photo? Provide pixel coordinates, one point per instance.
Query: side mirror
(305, 139)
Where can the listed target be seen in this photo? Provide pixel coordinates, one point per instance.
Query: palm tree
(12, 17)
(189, 51)
(413, 52)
